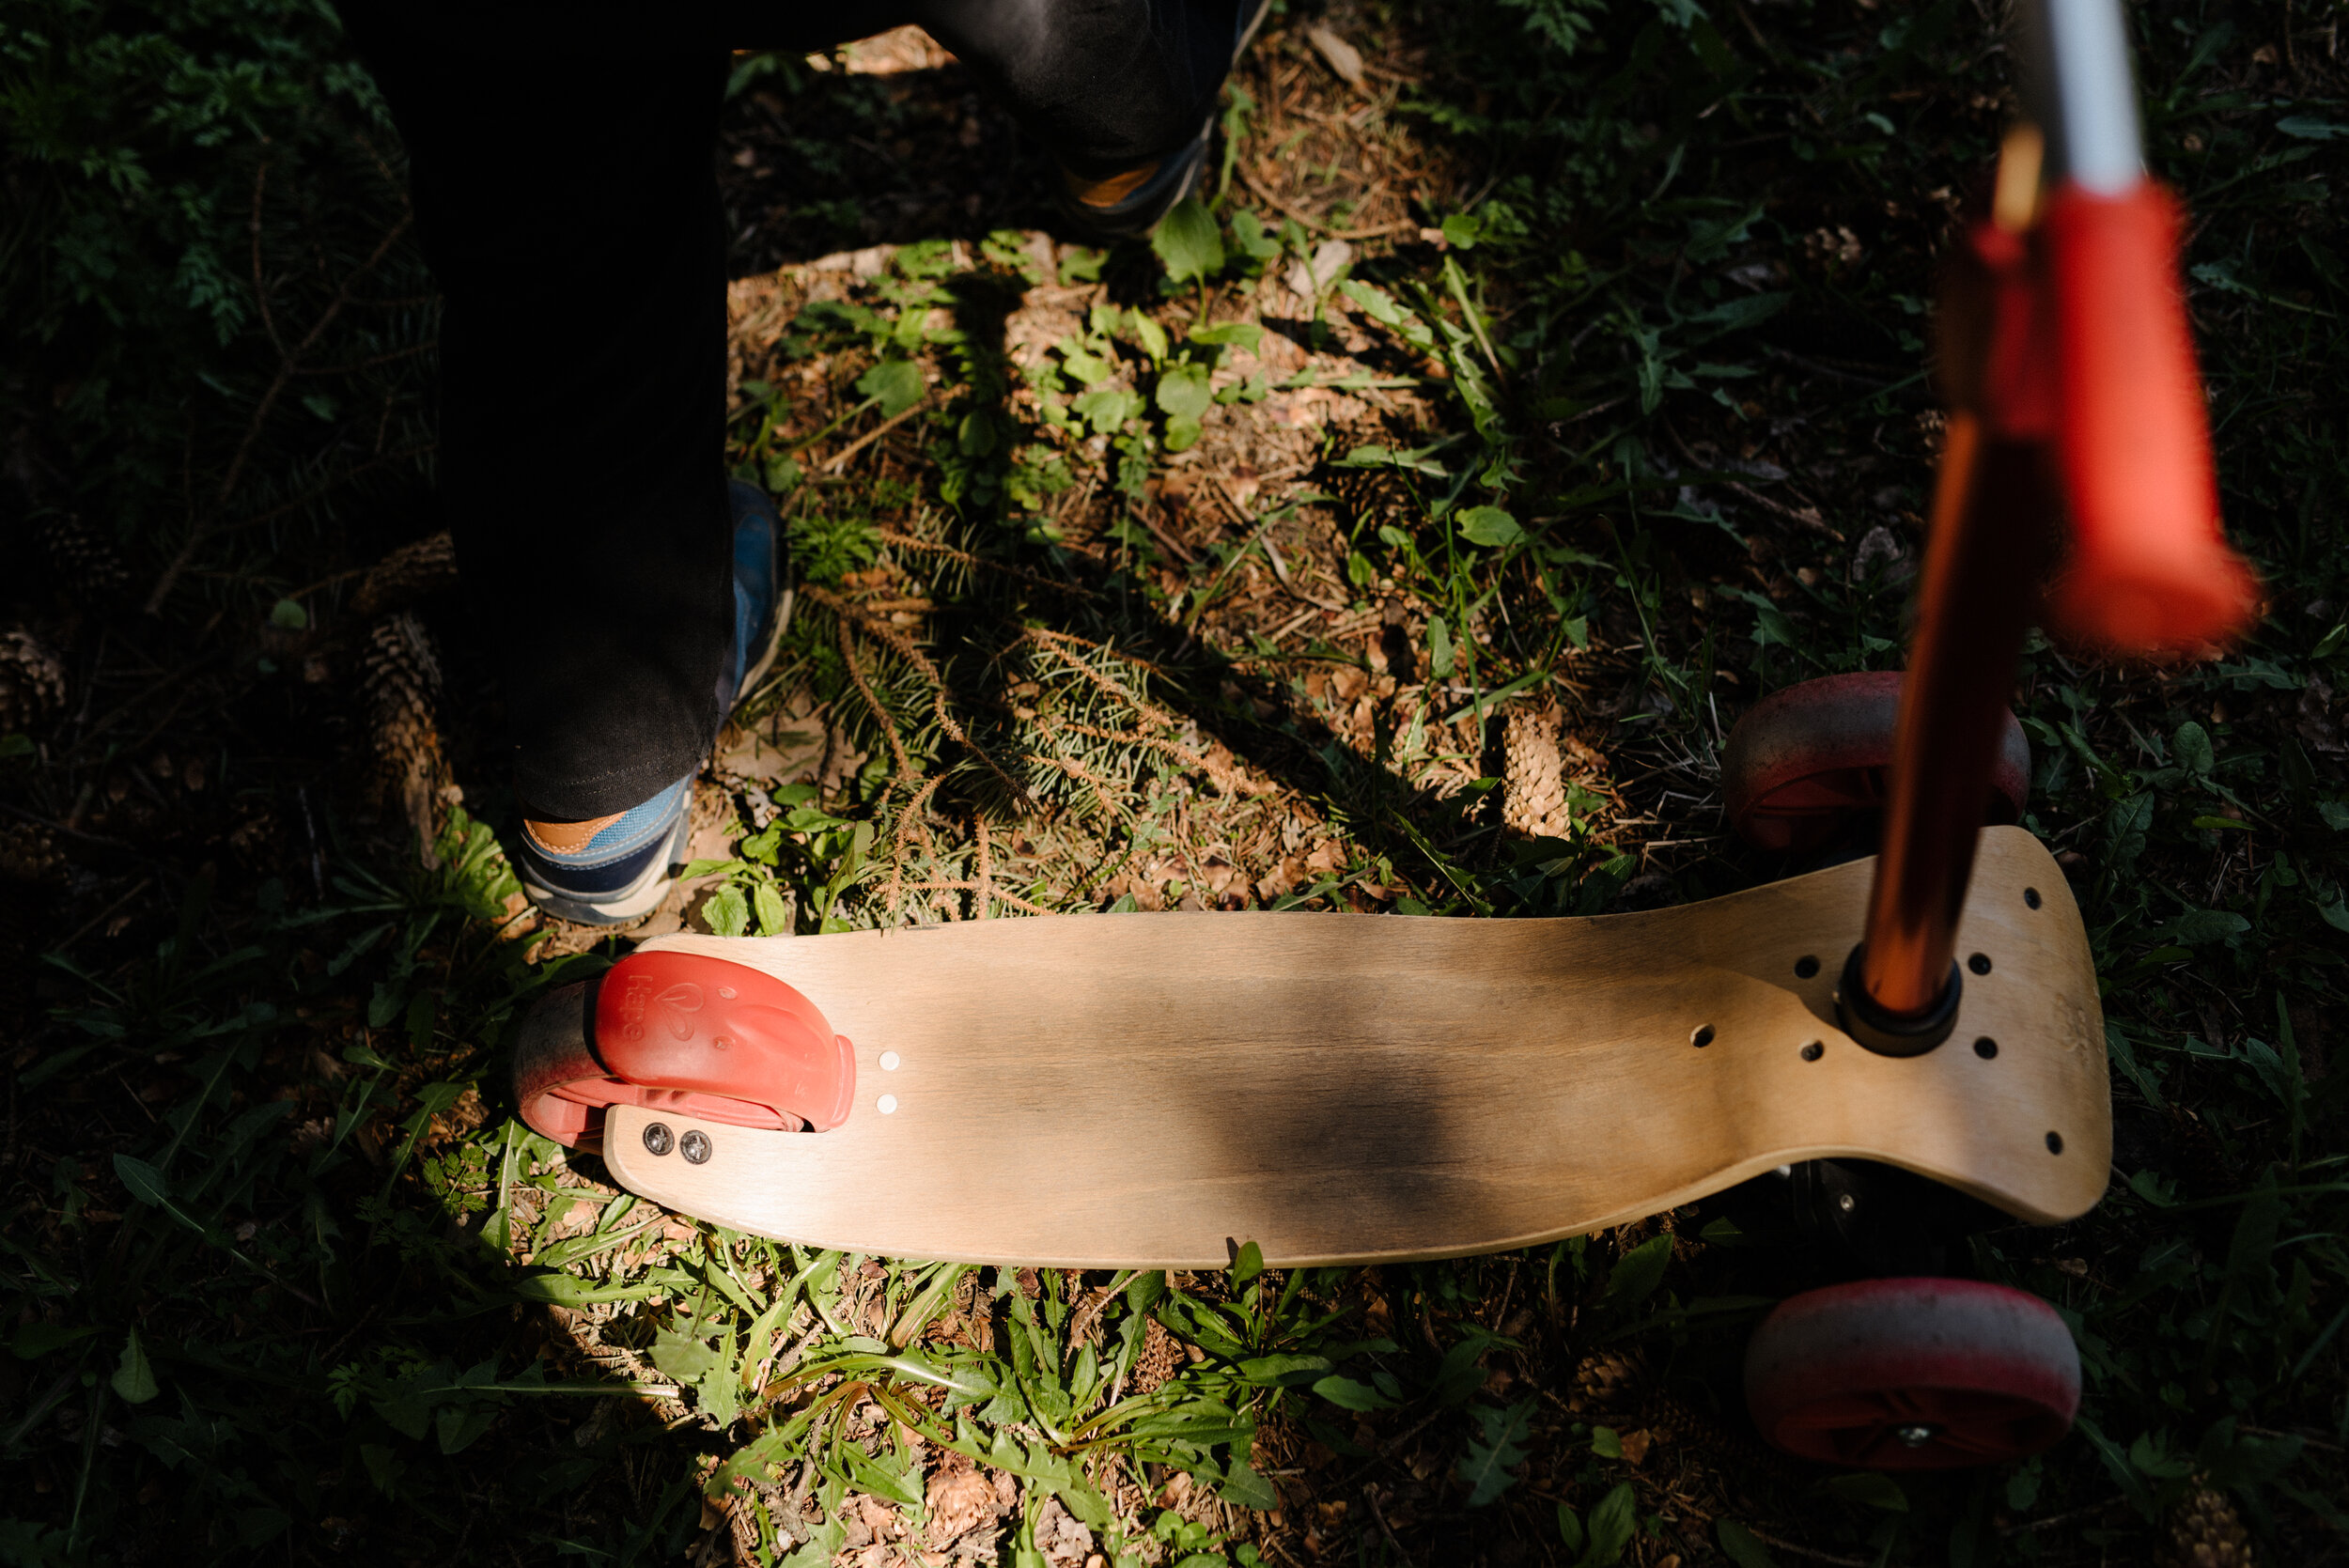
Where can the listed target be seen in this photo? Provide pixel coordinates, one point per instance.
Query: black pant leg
(1103, 84)
(568, 207)
(569, 210)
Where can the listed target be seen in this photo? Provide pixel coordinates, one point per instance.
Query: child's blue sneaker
(610, 870)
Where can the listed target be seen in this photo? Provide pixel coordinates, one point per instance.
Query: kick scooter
(1153, 1091)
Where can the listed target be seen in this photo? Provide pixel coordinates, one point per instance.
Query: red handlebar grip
(2150, 570)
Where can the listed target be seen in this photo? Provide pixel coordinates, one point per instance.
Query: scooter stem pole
(1984, 554)
(2070, 369)
(1974, 606)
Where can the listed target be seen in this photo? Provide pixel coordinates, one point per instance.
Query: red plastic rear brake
(697, 1036)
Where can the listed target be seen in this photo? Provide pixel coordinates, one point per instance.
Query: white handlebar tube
(2076, 86)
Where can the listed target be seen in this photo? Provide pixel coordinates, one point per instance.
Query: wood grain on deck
(1107, 1090)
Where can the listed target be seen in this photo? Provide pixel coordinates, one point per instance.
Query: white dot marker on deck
(889, 1061)
(886, 1103)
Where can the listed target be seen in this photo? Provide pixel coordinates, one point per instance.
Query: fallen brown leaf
(961, 1499)
(878, 1516)
(1344, 58)
(1064, 1541)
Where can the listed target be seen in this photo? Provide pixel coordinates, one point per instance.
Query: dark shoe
(610, 870)
(1129, 203)
(758, 548)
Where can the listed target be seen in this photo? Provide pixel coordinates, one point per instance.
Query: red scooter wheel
(1804, 761)
(552, 1055)
(1913, 1374)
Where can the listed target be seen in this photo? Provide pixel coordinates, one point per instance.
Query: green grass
(1658, 409)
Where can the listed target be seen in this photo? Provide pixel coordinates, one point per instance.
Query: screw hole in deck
(1701, 1036)
(1805, 967)
(1985, 1047)
(2031, 898)
(1979, 963)
(1815, 1050)
(2054, 1142)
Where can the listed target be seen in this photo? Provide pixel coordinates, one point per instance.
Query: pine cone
(1608, 1380)
(402, 685)
(1673, 1421)
(411, 572)
(1533, 787)
(1677, 1422)
(2206, 1532)
(85, 561)
(1160, 1354)
(259, 837)
(1614, 1384)
(32, 681)
(29, 856)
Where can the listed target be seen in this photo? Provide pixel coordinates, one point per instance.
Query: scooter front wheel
(1913, 1374)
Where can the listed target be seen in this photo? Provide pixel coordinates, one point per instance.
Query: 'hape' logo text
(673, 1006)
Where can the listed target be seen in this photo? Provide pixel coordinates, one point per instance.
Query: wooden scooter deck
(1153, 1090)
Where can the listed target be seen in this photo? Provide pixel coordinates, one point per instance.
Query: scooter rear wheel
(553, 1054)
(1913, 1374)
(1806, 760)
